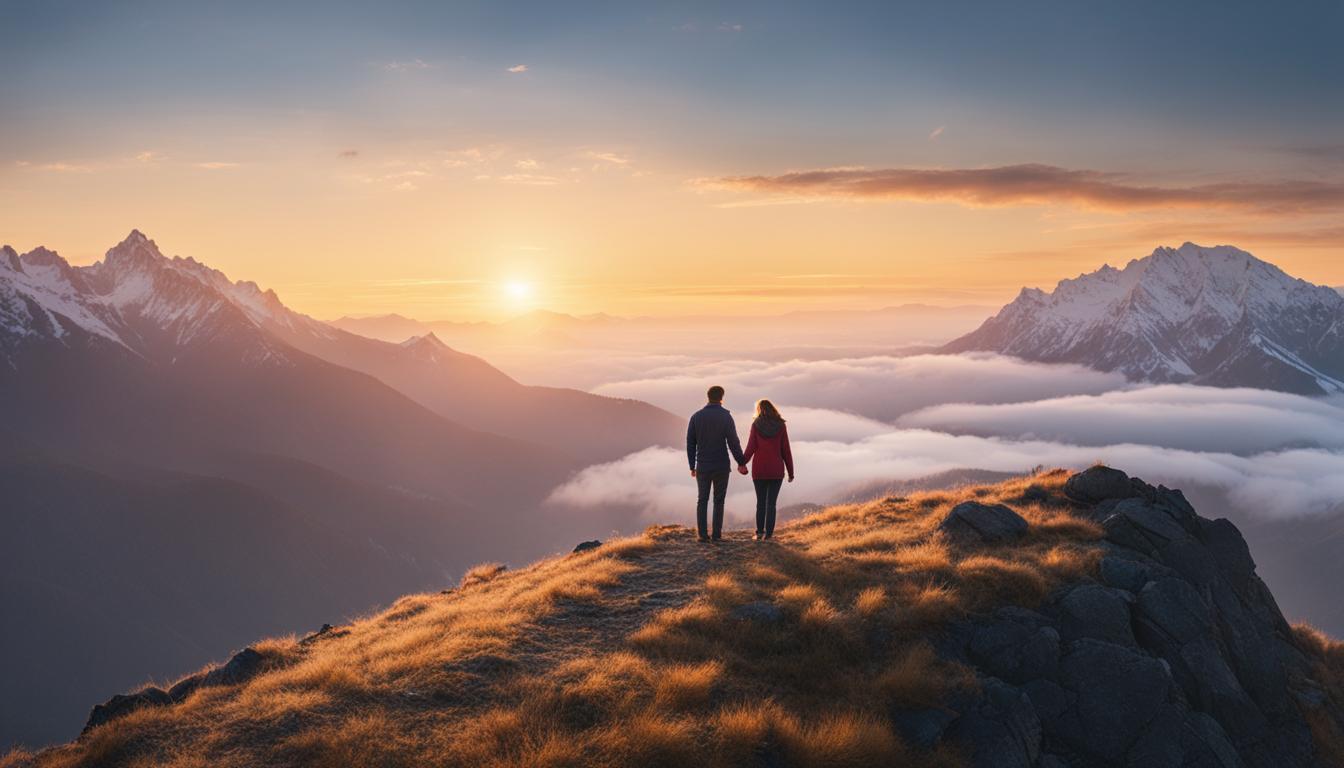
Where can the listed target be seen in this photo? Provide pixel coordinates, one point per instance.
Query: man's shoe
(769, 536)
(715, 538)
(702, 539)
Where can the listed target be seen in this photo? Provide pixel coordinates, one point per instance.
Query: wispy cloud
(936, 132)
(216, 165)
(526, 164)
(1037, 184)
(147, 156)
(64, 167)
(468, 156)
(518, 69)
(531, 179)
(406, 65)
(611, 158)
(348, 153)
(730, 27)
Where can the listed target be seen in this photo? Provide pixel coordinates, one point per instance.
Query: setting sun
(518, 291)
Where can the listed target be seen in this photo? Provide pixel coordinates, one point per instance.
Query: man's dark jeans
(719, 482)
(767, 493)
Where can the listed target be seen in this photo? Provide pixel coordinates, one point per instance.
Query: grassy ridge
(653, 650)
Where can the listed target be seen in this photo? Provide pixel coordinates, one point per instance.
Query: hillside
(146, 400)
(1090, 620)
(1216, 316)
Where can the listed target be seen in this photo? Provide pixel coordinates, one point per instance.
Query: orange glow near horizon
(436, 238)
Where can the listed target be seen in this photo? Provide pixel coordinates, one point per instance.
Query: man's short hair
(715, 394)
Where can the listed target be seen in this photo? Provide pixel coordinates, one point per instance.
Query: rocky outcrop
(1177, 655)
(241, 667)
(985, 523)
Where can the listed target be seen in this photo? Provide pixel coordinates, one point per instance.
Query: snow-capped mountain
(138, 307)
(1216, 316)
(137, 301)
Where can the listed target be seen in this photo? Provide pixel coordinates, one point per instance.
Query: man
(709, 437)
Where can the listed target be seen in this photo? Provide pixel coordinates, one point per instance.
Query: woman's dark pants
(767, 493)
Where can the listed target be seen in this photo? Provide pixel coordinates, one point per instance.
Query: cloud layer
(1239, 421)
(1036, 183)
(882, 388)
(655, 481)
(1270, 453)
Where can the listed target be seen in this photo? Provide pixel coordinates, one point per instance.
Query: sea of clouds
(858, 422)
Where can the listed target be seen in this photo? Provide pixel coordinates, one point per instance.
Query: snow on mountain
(1215, 316)
(140, 300)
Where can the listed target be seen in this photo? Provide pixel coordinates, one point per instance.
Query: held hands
(742, 469)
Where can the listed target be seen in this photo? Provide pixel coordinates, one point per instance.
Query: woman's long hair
(768, 410)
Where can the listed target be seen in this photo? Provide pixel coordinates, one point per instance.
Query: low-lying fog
(856, 422)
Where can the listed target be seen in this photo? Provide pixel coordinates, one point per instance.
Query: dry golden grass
(686, 687)
(482, 573)
(1327, 656)
(870, 602)
(918, 678)
(570, 662)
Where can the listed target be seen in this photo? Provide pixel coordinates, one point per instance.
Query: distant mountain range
(198, 464)
(1216, 316)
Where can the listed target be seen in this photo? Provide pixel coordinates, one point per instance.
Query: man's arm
(734, 444)
(690, 444)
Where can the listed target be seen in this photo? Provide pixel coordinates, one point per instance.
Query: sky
(477, 160)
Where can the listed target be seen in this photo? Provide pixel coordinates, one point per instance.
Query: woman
(769, 445)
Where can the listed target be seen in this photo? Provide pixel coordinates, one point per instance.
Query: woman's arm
(751, 446)
(784, 449)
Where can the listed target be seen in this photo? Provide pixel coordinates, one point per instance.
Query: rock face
(987, 523)
(1178, 656)
(243, 666)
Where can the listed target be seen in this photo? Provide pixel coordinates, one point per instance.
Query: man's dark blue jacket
(709, 437)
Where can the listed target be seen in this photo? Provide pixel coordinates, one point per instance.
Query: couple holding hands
(710, 437)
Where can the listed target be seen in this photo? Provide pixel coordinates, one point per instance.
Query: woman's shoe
(756, 537)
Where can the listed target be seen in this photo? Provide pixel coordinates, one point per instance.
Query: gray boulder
(1017, 646)
(584, 546)
(988, 523)
(244, 666)
(1101, 613)
(1097, 484)
(1001, 730)
(123, 704)
(1123, 573)
(1117, 693)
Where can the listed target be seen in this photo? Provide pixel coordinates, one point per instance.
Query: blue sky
(1164, 93)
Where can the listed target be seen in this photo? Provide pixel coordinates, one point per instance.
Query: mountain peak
(1208, 314)
(134, 251)
(10, 258)
(425, 341)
